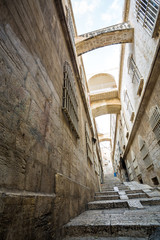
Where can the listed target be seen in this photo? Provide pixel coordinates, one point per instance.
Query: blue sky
(94, 14)
(91, 15)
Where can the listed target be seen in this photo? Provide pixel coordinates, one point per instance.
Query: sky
(92, 15)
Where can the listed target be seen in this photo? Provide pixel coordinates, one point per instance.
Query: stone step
(103, 197)
(107, 189)
(150, 202)
(125, 223)
(104, 204)
(134, 191)
(106, 193)
(111, 204)
(137, 195)
(104, 238)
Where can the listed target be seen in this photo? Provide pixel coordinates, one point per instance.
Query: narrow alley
(79, 119)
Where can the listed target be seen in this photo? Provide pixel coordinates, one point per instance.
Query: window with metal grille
(124, 124)
(96, 163)
(144, 152)
(155, 122)
(128, 105)
(70, 26)
(88, 143)
(147, 13)
(70, 104)
(135, 75)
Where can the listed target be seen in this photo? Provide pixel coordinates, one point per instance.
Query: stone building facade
(50, 158)
(136, 130)
(50, 163)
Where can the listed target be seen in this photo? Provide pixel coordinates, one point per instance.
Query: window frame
(144, 11)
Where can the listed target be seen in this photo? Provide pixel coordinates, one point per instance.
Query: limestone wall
(152, 144)
(45, 177)
(133, 120)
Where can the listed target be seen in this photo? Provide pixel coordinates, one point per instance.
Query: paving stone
(123, 197)
(134, 204)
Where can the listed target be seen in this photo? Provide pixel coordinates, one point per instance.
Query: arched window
(70, 103)
(155, 121)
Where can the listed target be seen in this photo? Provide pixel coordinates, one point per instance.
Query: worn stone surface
(36, 142)
(133, 219)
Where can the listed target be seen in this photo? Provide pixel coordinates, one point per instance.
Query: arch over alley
(119, 33)
(103, 95)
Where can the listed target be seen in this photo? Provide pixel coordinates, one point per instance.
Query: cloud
(83, 6)
(115, 5)
(113, 14)
(89, 21)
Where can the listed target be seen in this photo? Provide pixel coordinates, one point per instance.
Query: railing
(70, 104)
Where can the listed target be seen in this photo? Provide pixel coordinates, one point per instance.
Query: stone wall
(134, 118)
(147, 134)
(41, 161)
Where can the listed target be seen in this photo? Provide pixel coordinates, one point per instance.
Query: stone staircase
(120, 211)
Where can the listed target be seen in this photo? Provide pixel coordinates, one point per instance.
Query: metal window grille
(129, 106)
(96, 163)
(146, 12)
(137, 171)
(70, 104)
(155, 122)
(70, 26)
(134, 71)
(88, 144)
(83, 81)
(135, 75)
(145, 155)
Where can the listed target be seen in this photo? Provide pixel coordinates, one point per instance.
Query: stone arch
(106, 108)
(101, 81)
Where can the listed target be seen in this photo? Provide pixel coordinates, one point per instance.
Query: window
(155, 181)
(155, 122)
(70, 104)
(88, 143)
(70, 26)
(124, 124)
(135, 164)
(144, 153)
(96, 163)
(128, 105)
(147, 13)
(135, 75)
(140, 179)
(129, 170)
